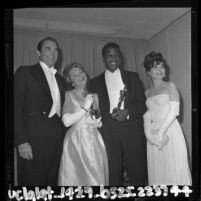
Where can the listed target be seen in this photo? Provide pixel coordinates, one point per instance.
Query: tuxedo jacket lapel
(104, 93)
(104, 87)
(61, 88)
(126, 82)
(38, 73)
(40, 76)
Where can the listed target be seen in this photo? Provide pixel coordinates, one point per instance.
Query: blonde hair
(68, 68)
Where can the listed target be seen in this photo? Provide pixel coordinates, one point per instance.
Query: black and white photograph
(103, 96)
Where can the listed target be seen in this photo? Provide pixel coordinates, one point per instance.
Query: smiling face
(78, 77)
(48, 53)
(112, 59)
(157, 71)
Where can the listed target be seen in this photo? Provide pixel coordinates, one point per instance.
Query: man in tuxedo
(122, 128)
(38, 98)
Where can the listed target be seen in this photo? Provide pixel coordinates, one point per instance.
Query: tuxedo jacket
(134, 100)
(124, 139)
(32, 97)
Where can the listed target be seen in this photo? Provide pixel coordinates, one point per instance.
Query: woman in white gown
(166, 147)
(84, 160)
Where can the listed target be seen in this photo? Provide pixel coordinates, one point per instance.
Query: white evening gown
(84, 160)
(170, 165)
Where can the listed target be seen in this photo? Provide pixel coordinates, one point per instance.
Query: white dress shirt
(54, 89)
(114, 84)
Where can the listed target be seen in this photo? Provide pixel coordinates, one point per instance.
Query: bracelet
(84, 109)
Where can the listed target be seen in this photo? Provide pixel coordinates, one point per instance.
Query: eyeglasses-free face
(48, 53)
(78, 77)
(157, 71)
(112, 59)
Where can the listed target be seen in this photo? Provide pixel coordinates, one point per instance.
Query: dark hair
(66, 71)
(108, 46)
(40, 44)
(158, 58)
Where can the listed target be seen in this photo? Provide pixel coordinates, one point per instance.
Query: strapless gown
(84, 160)
(170, 165)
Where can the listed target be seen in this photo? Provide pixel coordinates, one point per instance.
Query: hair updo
(155, 57)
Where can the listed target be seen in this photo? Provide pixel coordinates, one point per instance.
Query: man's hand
(120, 115)
(25, 151)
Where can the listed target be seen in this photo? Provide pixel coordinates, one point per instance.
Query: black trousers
(46, 138)
(125, 140)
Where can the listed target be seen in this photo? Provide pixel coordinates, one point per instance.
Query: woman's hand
(158, 139)
(96, 123)
(152, 139)
(162, 140)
